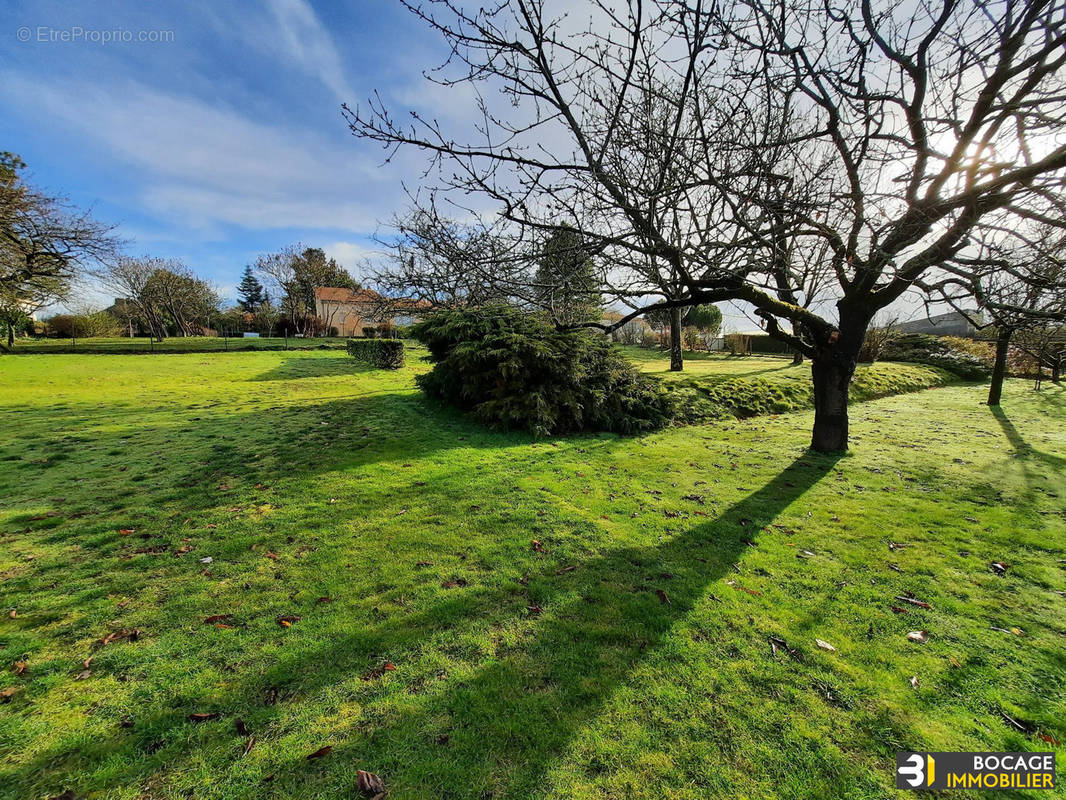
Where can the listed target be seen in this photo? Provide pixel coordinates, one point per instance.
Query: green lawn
(587, 617)
(173, 344)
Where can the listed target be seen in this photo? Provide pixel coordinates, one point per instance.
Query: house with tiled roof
(350, 312)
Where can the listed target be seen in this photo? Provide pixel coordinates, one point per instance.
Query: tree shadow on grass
(1021, 447)
(495, 731)
(295, 368)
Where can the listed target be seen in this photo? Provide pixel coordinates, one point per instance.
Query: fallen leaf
(287, 621)
(898, 610)
(424, 564)
(918, 636)
(324, 600)
(8, 693)
(126, 531)
(249, 745)
(825, 645)
(538, 547)
(14, 613)
(955, 662)
(740, 588)
(999, 567)
(21, 667)
(207, 560)
(534, 609)
(241, 727)
(216, 618)
(369, 783)
(320, 752)
(1049, 739)
(86, 662)
(453, 583)
(83, 675)
(662, 597)
(565, 570)
(377, 672)
(130, 635)
(204, 716)
(272, 556)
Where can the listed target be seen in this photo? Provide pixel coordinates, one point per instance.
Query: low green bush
(382, 353)
(938, 351)
(513, 369)
(699, 399)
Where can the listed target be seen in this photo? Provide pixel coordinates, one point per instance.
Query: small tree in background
(250, 291)
(707, 319)
(566, 282)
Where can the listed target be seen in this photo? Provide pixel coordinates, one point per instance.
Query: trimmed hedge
(700, 399)
(381, 353)
(512, 369)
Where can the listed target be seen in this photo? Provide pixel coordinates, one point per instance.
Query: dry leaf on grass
(204, 716)
(320, 752)
(824, 645)
(918, 636)
(370, 784)
(377, 672)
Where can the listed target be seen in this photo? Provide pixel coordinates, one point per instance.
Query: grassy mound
(707, 397)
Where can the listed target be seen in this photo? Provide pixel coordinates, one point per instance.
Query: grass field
(472, 614)
(173, 344)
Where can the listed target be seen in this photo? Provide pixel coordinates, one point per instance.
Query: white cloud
(351, 254)
(308, 45)
(202, 164)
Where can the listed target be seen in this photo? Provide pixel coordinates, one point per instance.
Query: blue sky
(225, 139)
(221, 137)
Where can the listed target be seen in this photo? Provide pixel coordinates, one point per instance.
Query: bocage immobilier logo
(975, 770)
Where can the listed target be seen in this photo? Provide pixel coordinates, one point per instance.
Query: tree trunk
(797, 357)
(999, 370)
(832, 379)
(831, 371)
(676, 362)
(1056, 369)
(11, 336)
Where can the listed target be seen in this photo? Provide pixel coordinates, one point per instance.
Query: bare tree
(45, 243)
(163, 292)
(130, 279)
(725, 144)
(438, 263)
(1017, 274)
(294, 272)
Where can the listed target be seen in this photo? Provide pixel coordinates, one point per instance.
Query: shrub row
(381, 353)
(512, 369)
(701, 399)
(937, 351)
